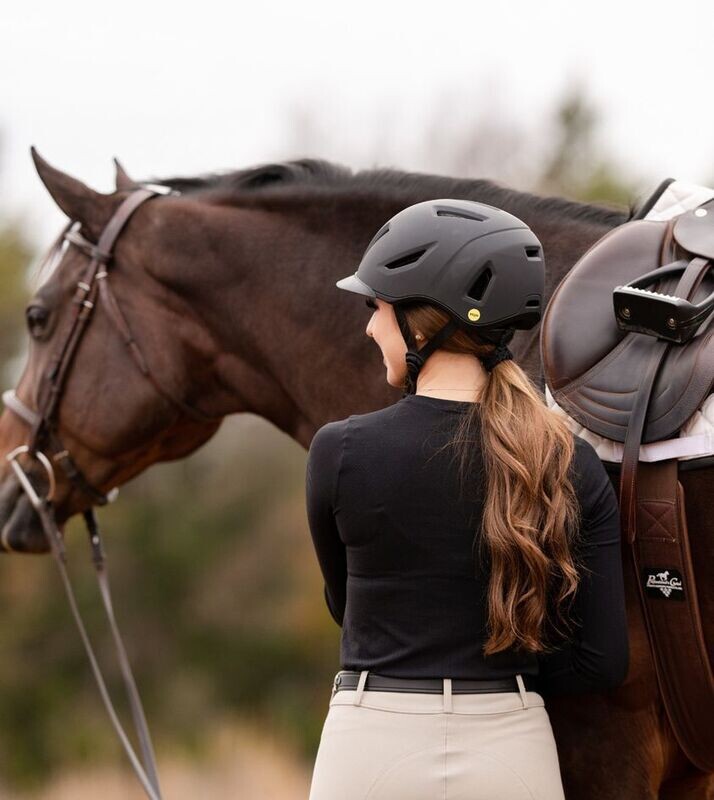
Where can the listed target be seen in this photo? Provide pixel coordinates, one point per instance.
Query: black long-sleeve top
(394, 529)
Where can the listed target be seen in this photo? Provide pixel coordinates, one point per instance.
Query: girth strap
(665, 579)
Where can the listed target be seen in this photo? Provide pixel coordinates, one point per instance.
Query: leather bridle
(46, 447)
(94, 285)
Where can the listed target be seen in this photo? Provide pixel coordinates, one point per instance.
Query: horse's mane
(304, 177)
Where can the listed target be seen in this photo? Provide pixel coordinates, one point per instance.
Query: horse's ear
(122, 179)
(73, 197)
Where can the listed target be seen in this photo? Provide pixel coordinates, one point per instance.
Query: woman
(469, 542)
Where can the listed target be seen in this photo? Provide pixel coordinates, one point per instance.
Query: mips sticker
(474, 314)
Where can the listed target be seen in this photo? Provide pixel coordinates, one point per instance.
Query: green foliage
(577, 166)
(15, 254)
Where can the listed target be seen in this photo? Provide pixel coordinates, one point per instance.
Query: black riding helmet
(480, 264)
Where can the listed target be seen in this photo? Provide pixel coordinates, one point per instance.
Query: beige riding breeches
(378, 745)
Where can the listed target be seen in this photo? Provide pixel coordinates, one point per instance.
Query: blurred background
(216, 585)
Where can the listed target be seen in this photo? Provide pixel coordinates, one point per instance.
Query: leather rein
(45, 446)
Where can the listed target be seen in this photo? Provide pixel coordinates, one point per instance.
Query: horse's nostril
(20, 528)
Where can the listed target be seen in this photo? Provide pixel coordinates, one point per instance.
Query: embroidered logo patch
(663, 582)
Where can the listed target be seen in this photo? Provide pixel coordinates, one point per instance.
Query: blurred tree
(576, 165)
(15, 255)
(481, 134)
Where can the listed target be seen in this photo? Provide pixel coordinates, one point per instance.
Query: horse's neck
(285, 338)
(292, 346)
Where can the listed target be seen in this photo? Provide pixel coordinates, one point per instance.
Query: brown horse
(229, 289)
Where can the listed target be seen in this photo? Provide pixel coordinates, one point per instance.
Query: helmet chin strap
(415, 358)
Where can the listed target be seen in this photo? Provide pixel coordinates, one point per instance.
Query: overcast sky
(186, 88)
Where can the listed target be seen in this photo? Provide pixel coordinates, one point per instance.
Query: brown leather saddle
(596, 360)
(627, 342)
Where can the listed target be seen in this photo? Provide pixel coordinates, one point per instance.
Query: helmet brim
(353, 284)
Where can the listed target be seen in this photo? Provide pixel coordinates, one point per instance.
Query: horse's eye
(36, 317)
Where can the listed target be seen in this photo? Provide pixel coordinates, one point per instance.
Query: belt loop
(360, 687)
(448, 706)
(522, 690)
(335, 683)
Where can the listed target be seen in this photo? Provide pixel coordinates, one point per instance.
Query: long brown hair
(531, 515)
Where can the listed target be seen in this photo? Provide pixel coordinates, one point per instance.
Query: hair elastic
(500, 352)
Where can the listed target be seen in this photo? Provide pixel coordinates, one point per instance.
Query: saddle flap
(594, 369)
(694, 230)
(579, 328)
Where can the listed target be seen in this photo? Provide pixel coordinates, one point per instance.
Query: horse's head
(116, 360)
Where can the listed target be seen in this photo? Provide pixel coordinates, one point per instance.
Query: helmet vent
(533, 252)
(404, 261)
(535, 303)
(460, 214)
(384, 229)
(480, 285)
